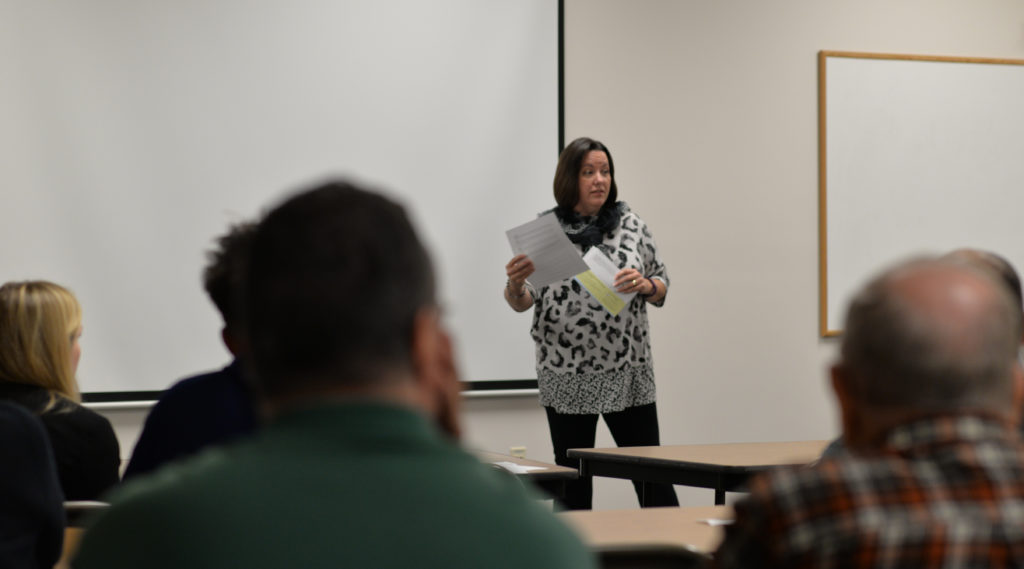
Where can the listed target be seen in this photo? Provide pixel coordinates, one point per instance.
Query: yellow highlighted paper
(600, 281)
(608, 298)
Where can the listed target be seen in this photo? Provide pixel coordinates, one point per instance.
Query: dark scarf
(588, 231)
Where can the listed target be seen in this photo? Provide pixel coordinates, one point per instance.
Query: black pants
(635, 426)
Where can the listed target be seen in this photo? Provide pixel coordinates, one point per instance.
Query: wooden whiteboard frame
(825, 328)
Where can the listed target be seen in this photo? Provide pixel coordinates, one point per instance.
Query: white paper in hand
(600, 281)
(543, 241)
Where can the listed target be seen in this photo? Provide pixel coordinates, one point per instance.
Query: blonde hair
(38, 323)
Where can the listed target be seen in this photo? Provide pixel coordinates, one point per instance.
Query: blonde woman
(40, 323)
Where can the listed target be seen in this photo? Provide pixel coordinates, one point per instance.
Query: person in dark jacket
(213, 408)
(31, 502)
(40, 325)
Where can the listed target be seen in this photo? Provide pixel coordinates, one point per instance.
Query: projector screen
(134, 133)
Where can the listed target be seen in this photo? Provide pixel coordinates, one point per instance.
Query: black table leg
(719, 496)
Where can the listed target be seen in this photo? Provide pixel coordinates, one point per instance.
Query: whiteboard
(917, 155)
(134, 133)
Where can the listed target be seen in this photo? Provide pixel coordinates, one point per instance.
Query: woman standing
(589, 362)
(40, 323)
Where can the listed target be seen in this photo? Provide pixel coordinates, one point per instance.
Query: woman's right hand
(518, 270)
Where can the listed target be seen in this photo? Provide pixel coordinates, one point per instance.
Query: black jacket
(31, 503)
(84, 443)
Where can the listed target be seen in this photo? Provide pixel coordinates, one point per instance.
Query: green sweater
(342, 485)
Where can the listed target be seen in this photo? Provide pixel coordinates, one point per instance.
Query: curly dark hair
(224, 269)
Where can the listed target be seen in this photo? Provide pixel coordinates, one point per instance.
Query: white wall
(710, 110)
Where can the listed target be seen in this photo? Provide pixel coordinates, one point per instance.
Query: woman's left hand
(632, 280)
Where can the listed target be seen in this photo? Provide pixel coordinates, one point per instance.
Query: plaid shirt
(945, 492)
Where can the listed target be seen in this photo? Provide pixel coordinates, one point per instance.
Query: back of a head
(932, 335)
(37, 322)
(997, 265)
(222, 275)
(335, 277)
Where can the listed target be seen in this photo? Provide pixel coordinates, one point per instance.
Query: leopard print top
(589, 361)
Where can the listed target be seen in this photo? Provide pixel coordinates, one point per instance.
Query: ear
(1018, 394)
(425, 344)
(848, 409)
(434, 370)
(229, 340)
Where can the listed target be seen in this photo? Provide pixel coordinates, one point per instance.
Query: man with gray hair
(928, 387)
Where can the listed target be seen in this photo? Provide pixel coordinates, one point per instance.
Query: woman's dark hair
(567, 174)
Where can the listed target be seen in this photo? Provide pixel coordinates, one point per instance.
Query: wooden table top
(737, 456)
(546, 470)
(651, 526)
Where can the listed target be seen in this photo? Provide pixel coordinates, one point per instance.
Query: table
(723, 467)
(650, 526)
(78, 511)
(550, 478)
